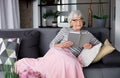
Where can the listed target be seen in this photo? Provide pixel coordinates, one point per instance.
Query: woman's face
(77, 23)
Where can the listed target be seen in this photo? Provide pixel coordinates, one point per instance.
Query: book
(75, 38)
(84, 38)
(79, 39)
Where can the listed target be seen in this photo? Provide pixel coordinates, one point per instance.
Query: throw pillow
(8, 48)
(29, 44)
(112, 59)
(107, 48)
(88, 55)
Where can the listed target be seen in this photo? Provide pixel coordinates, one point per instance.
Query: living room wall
(117, 25)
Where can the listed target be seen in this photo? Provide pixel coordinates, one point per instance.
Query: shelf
(73, 3)
(44, 8)
(48, 27)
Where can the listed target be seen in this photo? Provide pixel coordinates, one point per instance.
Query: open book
(79, 39)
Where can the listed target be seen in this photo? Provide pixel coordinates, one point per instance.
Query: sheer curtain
(9, 14)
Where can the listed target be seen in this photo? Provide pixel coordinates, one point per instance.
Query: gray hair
(74, 14)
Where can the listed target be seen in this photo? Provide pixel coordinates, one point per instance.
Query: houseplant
(54, 15)
(100, 17)
(43, 1)
(100, 20)
(49, 1)
(9, 71)
(64, 23)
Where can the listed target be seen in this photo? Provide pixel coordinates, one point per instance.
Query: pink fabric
(29, 73)
(57, 63)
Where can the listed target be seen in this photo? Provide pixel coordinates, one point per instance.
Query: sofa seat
(111, 72)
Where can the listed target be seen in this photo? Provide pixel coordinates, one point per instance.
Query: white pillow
(87, 55)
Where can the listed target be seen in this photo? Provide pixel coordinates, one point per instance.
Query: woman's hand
(65, 44)
(87, 46)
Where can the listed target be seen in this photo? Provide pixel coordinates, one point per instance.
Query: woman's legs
(57, 63)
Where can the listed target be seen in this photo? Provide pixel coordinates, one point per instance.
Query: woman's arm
(56, 42)
(93, 41)
(65, 44)
(87, 46)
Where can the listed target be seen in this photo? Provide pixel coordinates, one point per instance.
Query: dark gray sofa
(35, 43)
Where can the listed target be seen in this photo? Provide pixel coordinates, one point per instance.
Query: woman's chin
(78, 28)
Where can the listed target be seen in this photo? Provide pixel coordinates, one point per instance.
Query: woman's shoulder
(84, 31)
(66, 29)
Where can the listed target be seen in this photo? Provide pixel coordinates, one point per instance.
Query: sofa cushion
(29, 46)
(46, 36)
(8, 48)
(107, 48)
(97, 35)
(112, 58)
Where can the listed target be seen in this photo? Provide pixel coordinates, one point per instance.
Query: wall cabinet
(57, 10)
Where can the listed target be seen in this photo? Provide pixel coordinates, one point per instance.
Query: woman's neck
(77, 30)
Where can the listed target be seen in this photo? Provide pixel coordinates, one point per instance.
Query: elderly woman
(61, 60)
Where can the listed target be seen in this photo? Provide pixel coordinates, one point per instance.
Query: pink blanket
(57, 63)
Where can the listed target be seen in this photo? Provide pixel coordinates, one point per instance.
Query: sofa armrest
(112, 59)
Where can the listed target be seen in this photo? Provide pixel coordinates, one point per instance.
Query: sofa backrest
(100, 33)
(47, 34)
(35, 42)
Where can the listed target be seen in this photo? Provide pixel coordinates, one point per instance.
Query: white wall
(36, 15)
(117, 25)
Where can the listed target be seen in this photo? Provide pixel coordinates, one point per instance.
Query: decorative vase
(100, 22)
(54, 24)
(44, 22)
